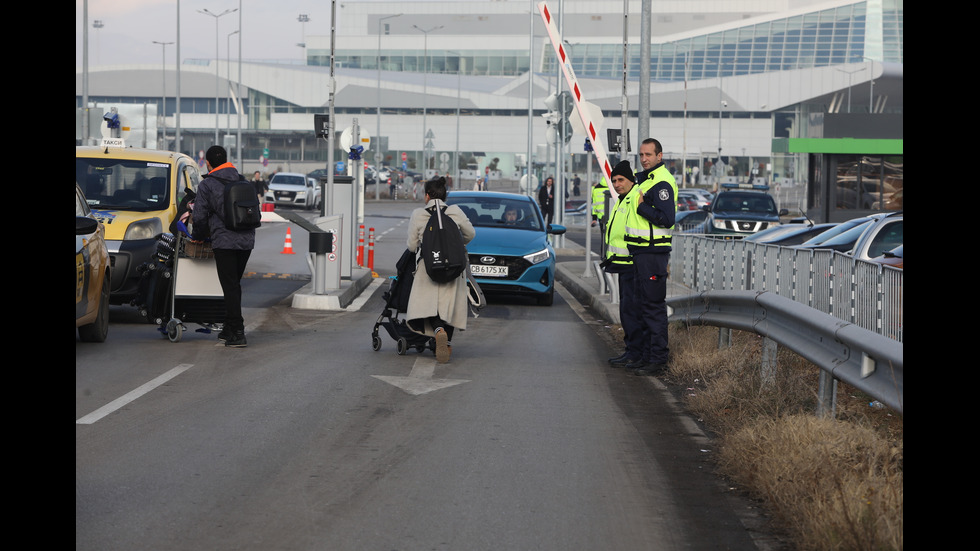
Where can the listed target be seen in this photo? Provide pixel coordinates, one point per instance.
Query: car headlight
(538, 257)
(720, 224)
(144, 229)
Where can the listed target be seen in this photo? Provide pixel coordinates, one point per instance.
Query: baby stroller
(396, 303)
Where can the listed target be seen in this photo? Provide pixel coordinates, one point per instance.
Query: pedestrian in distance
(546, 199)
(261, 186)
(437, 309)
(618, 260)
(231, 248)
(649, 231)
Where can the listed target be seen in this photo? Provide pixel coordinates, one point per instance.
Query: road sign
(347, 138)
(404, 156)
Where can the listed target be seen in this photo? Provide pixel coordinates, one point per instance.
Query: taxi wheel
(98, 330)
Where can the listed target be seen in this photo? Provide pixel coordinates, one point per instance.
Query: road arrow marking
(420, 380)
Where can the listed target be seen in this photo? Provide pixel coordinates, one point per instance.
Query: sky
(130, 28)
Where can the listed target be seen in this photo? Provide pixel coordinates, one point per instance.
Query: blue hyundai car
(510, 254)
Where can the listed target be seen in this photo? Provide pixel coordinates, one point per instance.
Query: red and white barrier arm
(598, 148)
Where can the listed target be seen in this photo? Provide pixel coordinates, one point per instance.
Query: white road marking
(131, 396)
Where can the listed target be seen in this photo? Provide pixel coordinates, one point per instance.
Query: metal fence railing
(866, 294)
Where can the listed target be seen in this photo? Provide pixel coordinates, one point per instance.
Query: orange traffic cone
(288, 247)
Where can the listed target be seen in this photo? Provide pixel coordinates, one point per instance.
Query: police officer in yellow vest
(648, 236)
(600, 194)
(618, 260)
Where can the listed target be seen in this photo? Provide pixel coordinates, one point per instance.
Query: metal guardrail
(865, 360)
(842, 314)
(866, 294)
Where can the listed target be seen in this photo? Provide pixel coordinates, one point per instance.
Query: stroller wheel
(419, 347)
(402, 346)
(376, 343)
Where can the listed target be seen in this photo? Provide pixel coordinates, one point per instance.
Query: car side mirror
(85, 225)
(784, 212)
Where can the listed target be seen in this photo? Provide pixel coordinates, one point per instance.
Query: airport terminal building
(764, 86)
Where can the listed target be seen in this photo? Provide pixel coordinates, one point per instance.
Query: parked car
(700, 197)
(894, 257)
(741, 210)
(134, 193)
(841, 237)
(318, 173)
(883, 235)
(515, 260)
(293, 189)
(788, 235)
(93, 283)
(687, 219)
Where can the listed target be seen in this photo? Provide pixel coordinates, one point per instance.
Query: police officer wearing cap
(648, 235)
(618, 260)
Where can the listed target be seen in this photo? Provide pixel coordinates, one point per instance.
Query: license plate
(488, 271)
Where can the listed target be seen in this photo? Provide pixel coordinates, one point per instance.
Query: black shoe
(619, 359)
(649, 369)
(224, 335)
(237, 340)
(633, 365)
(624, 362)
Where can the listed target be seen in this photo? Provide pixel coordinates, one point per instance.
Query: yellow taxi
(134, 193)
(92, 281)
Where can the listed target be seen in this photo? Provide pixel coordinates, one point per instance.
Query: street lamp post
(303, 20)
(217, 76)
(163, 103)
(459, 72)
(377, 151)
(425, 88)
(228, 71)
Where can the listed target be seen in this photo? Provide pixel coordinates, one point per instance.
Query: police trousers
(651, 291)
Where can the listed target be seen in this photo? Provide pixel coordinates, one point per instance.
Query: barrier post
(370, 261)
(360, 246)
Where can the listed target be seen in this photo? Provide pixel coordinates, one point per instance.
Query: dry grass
(829, 483)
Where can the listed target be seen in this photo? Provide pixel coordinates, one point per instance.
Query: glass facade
(845, 34)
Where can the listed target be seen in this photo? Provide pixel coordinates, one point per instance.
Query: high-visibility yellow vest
(599, 199)
(616, 249)
(640, 232)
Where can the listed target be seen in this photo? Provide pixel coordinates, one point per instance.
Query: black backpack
(442, 247)
(242, 210)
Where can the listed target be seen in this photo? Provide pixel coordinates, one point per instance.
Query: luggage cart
(197, 296)
(180, 285)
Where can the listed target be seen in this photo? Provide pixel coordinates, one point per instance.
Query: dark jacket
(209, 209)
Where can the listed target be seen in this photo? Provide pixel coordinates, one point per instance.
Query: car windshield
(846, 237)
(288, 179)
(746, 202)
(124, 184)
(834, 231)
(499, 212)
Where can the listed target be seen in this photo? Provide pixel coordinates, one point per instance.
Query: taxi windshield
(124, 184)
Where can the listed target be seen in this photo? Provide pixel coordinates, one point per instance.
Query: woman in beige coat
(437, 309)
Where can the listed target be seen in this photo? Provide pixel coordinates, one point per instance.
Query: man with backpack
(232, 248)
(435, 308)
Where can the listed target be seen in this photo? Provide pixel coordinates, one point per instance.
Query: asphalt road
(310, 439)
